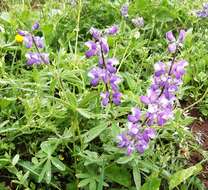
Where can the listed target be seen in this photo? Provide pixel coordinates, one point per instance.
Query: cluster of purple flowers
(173, 43)
(106, 69)
(204, 12)
(29, 40)
(138, 22)
(136, 137)
(124, 10)
(159, 101)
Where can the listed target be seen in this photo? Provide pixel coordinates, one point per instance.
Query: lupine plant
(106, 70)
(204, 12)
(159, 100)
(107, 114)
(29, 39)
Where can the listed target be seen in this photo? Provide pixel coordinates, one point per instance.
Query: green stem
(78, 23)
(198, 101)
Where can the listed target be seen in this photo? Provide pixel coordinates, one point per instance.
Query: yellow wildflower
(19, 38)
(61, 157)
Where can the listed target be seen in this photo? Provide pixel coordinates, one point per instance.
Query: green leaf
(28, 166)
(92, 185)
(15, 159)
(153, 183)
(84, 182)
(119, 175)
(125, 159)
(86, 113)
(48, 172)
(47, 147)
(87, 98)
(58, 164)
(137, 177)
(183, 175)
(42, 174)
(94, 132)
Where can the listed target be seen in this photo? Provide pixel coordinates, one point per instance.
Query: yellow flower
(19, 38)
(61, 157)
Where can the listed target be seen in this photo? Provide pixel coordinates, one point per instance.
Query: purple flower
(37, 58)
(179, 68)
(160, 68)
(116, 98)
(22, 32)
(141, 146)
(39, 41)
(28, 41)
(123, 140)
(138, 22)
(110, 65)
(149, 133)
(35, 26)
(170, 37)
(124, 10)
(133, 129)
(95, 74)
(173, 44)
(92, 49)
(135, 116)
(104, 45)
(172, 48)
(112, 30)
(182, 36)
(106, 72)
(105, 98)
(96, 34)
(204, 12)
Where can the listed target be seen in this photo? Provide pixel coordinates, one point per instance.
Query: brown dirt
(200, 130)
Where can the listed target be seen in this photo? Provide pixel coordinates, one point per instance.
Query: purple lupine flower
(173, 44)
(39, 41)
(114, 81)
(96, 34)
(37, 58)
(110, 65)
(204, 12)
(116, 98)
(34, 58)
(35, 26)
(92, 49)
(172, 48)
(106, 70)
(182, 36)
(28, 41)
(149, 133)
(95, 74)
(135, 116)
(138, 22)
(123, 140)
(105, 98)
(133, 128)
(112, 30)
(104, 45)
(159, 101)
(159, 68)
(170, 37)
(124, 10)
(22, 32)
